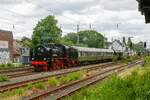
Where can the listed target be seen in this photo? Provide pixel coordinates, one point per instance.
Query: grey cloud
(119, 5)
(104, 16)
(59, 7)
(10, 2)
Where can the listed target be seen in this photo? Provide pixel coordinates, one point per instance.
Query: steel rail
(66, 89)
(25, 80)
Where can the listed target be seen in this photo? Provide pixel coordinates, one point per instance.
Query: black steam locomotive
(57, 56)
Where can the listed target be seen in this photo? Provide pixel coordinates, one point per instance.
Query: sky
(114, 19)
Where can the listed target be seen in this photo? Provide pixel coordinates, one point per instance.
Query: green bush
(9, 64)
(18, 65)
(72, 76)
(133, 87)
(147, 61)
(2, 65)
(3, 78)
(53, 81)
(39, 85)
(9, 94)
(19, 91)
(30, 86)
(135, 57)
(115, 58)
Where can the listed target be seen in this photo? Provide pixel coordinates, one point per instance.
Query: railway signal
(145, 44)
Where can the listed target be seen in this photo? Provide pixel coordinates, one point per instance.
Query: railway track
(17, 72)
(64, 90)
(10, 70)
(20, 73)
(41, 77)
(13, 69)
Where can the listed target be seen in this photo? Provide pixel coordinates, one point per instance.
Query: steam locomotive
(58, 56)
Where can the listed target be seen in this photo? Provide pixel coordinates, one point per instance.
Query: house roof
(118, 42)
(5, 31)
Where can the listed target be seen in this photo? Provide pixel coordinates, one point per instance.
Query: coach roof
(85, 49)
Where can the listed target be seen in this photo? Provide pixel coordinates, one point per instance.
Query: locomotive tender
(57, 56)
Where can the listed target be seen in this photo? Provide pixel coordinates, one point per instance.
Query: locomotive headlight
(32, 58)
(44, 58)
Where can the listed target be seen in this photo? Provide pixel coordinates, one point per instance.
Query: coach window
(86, 53)
(97, 54)
(104, 54)
(82, 54)
(89, 53)
(101, 54)
(79, 54)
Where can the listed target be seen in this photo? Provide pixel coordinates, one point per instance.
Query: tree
(26, 42)
(47, 31)
(71, 37)
(87, 38)
(66, 42)
(129, 43)
(92, 38)
(139, 47)
(124, 41)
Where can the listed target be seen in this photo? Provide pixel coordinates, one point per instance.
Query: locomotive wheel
(58, 64)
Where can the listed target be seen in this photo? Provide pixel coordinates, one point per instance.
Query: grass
(39, 85)
(72, 77)
(14, 93)
(147, 61)
(135, 86)
(3, 78)
(18, 93)
(10, 65)
(124, 59)
(30, 86)
(53, 81)
(34, 88)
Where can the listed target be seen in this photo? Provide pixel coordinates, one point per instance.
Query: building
(21, 53)
(16, 51)
(6, 46)
(118, 46)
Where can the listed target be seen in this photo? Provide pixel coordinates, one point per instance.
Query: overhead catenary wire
(71, 20)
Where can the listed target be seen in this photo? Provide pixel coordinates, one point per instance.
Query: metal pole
(78, 28)
(90, 26)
